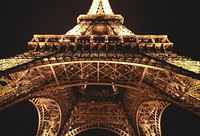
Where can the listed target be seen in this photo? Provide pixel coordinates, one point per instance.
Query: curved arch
(108, 127)
(105, 115)
(49, 116)
(137, 59)
(148, 117)
(77, 73)
(105, 61)
(97, 131)
(128, 73)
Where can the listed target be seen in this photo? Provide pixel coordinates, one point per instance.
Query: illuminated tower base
(100, 75)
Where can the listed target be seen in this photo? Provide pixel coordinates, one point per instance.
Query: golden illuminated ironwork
(100, 7)
(100, 75)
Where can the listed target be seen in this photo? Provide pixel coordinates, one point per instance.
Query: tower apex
(100, 7)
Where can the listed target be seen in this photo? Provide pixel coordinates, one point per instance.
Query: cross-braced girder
(54, 107)
(149, 117)
(119, 70)
(100, 7)
(145, 109)
(89, 115)
(59, 72)
(49, 116)
(131, 75)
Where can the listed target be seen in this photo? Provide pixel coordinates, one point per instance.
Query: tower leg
(54, 108)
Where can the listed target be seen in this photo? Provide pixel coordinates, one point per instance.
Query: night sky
(20, 20)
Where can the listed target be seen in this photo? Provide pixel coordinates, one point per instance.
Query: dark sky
(179, 19)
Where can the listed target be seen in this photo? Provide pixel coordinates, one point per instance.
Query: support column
(145, 109)
(148, 118)
(54, 108)
(49, 116)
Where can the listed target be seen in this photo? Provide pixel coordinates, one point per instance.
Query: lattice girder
(101, 51)
(49, 116)
(111, 55)
(149, 118)
(60, 73)
(178, 60)
(145, 109)
(22, 84)
(100, 7)
(89, 115)
(54, 107)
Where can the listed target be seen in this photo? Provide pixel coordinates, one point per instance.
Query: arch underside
(59, 72)
(49, 116)
(142, 118)
(148, 90)
(105, 115)
(53, 109)
(50, 72)
(149, 118)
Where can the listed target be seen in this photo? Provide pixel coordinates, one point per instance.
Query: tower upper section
(101, 28)
(100, 7)
(100, 20)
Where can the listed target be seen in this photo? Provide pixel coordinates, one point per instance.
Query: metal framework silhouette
(100, 75)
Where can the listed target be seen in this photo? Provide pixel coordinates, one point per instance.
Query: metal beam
(54, 74)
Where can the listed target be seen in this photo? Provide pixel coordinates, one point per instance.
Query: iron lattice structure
(100, 75)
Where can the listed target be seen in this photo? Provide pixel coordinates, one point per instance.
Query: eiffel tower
(100, 74)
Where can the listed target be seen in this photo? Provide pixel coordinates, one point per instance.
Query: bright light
(100, 7)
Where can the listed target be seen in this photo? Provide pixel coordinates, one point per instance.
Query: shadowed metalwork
(100, 74)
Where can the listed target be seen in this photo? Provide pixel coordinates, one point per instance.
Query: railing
(142, 42)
